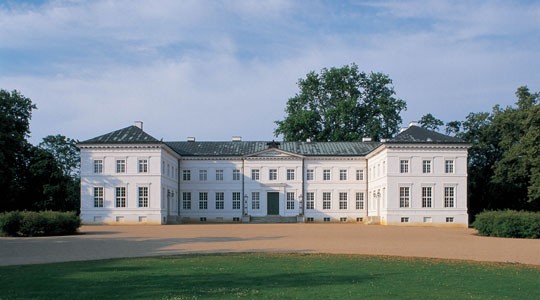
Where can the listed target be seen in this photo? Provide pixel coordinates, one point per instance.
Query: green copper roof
(128, 135)
(415, 134)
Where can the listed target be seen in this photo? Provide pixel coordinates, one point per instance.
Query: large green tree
(428, 121)
(342, 104)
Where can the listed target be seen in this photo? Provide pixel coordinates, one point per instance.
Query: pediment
(274, 153)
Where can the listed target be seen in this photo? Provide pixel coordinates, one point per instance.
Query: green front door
(272, 204)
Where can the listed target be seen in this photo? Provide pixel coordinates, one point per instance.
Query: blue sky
(216, 69)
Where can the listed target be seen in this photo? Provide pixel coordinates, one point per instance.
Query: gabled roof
(416, 134)
(128, 135)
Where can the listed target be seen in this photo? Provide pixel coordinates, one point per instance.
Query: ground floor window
(449, 194)
(290, 200)
(220, 200)
(449, 219)
(143, 196)
(203, 200)
(426, 196)
(236, 200)
(98, 197)
(359, 201)
(404, 196)
(186, 200)
(255, 200)
(120, 197)
(310, 200)
(327, 200)
(342, 200)
(404, 219)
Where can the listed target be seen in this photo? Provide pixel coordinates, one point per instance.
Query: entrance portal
(272, 204)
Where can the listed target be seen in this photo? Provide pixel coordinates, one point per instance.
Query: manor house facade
(419, 177)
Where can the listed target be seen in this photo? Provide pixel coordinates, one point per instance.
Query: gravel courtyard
(101, 242)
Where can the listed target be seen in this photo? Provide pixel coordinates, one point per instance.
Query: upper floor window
(449, 166)
(236, 175)
(272, 174)
(255, 174)
(326, 174)
(98, 166)
(290, 174)
(120, 166)
(186, 175)
(219, 175)
(203, 175)
(342, 174)
(143, 166)
(404, 166)
(359, 174)
(426, 166)
(309, 174)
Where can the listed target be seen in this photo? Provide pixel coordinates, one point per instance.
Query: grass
(270, 276)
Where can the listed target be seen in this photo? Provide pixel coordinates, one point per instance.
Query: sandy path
(100, 242)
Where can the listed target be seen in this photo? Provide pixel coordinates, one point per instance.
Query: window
(98, 197)
(327, 200)
(309, 174)
(449, 219)
(219, 175)
(186, 200)
(143, 196)
(120, 166)
(326, 174)
(343, 219)
(449, 200)
(426, 196)
(236, 175)
(120, 197)
(186, 175)
(404, 197)
(272, 174)
(143, 165)
(290, 200)
(255, 200)
(404, 219)
(326, 219)
(359, 200)
(342, 174)
(449, 166)
(236, 200)
(310, 200)
(220, 200)
(203, 200)
(359, 174)
(98, 166)
(404, 166)
(255, 174)
(426, 166)
(290, 174)
(342, 200)
(203, 175)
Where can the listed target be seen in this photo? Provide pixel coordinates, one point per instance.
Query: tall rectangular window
(359, 175)
(98, 197)
(426, 166)
(203, 175)
(449, 196)
(186, 200)
(360, 201)
(310, 200)
(255, 200)
(290, 174)
(342, 200)
(236, 175)
(120, 166)
(272, 174)
(404, 166)
(326, 174)
(327, 200)
(404, 196)
(203, 200)
(143, 165)
(310, 174)
(290, 200)
(143, 196)
(255, 174)
(219, 175)
(426, 196)
(186, 175)
(236, 200)
(342, 174)
(449, 166)
(220, 200)
(98, 166)
(120, 197)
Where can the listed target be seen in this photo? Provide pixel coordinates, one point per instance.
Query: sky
(217, 69)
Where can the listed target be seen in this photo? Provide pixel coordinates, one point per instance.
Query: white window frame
(121, 165)
(186, 175)
(290, 200)
(236, 175)
(360, 200)
(343, 174)
(404, 197)
(327, 200)
(98, 166)
(120, 196)
(220, 200)
(343, 200)
(290, 174)
(310, 200)
(403, 166)
(449, 200)
(203, 175)
(203, 200)
(272, 174)
(360, 175)
(236, 200)
(219, 175)
(186, 200)
(310, 174)
(449, 166)
(255, 200)
(143, 195)
(142, 165)
(426, 166)
(255, 174)
(327, 175)
(99, 196)
(427, 197)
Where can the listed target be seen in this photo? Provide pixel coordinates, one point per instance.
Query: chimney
(236, 138)
(191, 139)
(366, 139)
(139, 124)
(402, 129)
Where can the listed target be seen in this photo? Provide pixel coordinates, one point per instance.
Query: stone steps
(273, 219)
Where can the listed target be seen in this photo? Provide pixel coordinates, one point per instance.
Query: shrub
(44, 223)
(508, 223)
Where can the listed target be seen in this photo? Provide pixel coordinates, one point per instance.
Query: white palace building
(419, 177)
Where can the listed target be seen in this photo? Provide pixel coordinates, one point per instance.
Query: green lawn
(270, 276)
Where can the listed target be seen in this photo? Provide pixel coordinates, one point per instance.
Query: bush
(508, 223)
(44, 223)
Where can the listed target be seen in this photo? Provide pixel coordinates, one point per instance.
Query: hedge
(43, 223)
(508, 223)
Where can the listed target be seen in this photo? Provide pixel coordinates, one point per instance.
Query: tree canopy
(428, 121)
(342, 104)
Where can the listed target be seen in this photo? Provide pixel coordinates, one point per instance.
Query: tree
(342, 104)
(428, 121)
(65, 151)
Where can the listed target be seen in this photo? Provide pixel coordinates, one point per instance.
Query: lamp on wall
(245, 205)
